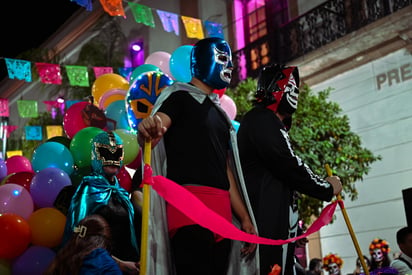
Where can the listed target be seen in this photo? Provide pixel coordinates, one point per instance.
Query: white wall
(377, 98)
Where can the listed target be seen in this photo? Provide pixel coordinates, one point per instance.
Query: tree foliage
(320, 135)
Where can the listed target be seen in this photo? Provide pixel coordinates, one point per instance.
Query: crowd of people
(251, 177)
(379, 260)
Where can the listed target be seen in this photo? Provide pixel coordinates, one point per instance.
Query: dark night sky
(29, 23)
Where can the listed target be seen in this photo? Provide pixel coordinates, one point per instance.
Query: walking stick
(348, 224)
(145, 211)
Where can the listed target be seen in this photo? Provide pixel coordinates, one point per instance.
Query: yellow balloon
(47, 227)
(107, 82)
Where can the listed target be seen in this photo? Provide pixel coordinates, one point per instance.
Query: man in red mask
(273, 173)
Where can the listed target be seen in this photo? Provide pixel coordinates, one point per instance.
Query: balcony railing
(310, 31)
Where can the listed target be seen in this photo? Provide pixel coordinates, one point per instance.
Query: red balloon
(73, 120)
(125, 180)
(18, 164)
(21, 178)
(220, 92)
(136, 162)
(15, 235)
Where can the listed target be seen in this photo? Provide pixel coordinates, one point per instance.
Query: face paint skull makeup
(379, 249)
(332, 263)
(377, 255)
(211, 62)
(333, 269)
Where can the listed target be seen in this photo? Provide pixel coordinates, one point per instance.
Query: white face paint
(333, 269)
(292, 92)
(377, 255)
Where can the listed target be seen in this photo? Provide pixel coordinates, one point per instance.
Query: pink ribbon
(196, 210)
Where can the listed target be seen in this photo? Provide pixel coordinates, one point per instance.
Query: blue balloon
(116, 115)
(179, 63)
(34, 260)
(52, 154)
(47, 184)
(3, 169)
(142, 95)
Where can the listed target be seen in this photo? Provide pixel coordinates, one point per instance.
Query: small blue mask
(211, 62)
(107, 149)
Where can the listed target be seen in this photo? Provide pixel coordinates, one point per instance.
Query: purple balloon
(3, 169)
(33, 261)
(47, 184)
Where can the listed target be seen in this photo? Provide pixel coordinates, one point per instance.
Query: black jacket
(274, 175)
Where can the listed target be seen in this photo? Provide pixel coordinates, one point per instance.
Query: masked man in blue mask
(101, 193)
(199, 143)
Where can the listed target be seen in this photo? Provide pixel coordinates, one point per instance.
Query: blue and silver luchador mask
(107, 149)
(211, 62)
(142, 95)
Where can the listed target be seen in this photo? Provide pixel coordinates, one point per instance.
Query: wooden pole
(349, 225)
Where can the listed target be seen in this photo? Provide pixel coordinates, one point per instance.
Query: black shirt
(197, 142)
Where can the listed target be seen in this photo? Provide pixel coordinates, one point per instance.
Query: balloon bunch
(31, 226)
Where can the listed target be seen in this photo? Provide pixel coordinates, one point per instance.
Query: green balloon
(130, 145)
(143, 69)
(81, 146)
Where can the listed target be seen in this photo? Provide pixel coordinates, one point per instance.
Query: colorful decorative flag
(4, 107)
(84, 3)
(169, 20)
(113, 7)
(49, 73)
(193, 27)
(54, 131)
(33, 132)
(214, 29)
(27, 108)
(19, 69)
(8, 129)
(98, 71)
(78, 75)
(142, 14)
(9, 154)
(126, 72)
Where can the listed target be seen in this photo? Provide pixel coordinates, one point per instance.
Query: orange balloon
(47, 227)
(108, 82)
(14, 235)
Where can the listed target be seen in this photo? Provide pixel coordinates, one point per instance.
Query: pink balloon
(111, 96)
(160, 59)
(229, 106)
(73, 120)
(17, 164)
(15, 199)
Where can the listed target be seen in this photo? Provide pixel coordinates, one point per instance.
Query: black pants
(195, 251)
